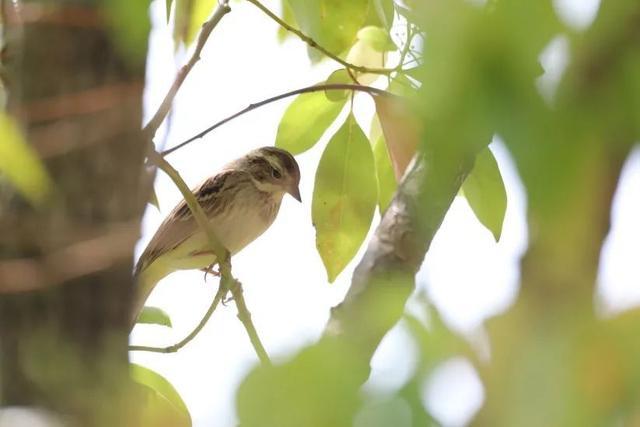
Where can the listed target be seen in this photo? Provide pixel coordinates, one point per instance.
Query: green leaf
(378, 38)
(387, 183)
(333, 24)
(20, 164)
(154, 316)
(380, 13)
(305, 121)
(338, 76)
(199, 14)
(163, 403)
(344, 197)
(485, 192)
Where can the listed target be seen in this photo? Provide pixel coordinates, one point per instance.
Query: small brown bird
(241, 202)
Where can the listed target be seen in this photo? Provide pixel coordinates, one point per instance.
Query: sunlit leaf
(364, 55)
(20, 165)
(338, 76)
(331, 23)
(485, 192)
(344, 197)
(402, 130)
(154, 316)
(377, 38)
(164, 406)
(305, 121)
(182, 20)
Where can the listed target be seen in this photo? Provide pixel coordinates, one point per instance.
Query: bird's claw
(226, 300)
(210, 270)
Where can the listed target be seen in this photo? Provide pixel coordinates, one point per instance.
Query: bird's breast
(240, 226)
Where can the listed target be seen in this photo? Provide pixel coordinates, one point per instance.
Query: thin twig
(153, 125)
(308, 89)
(177, 346)
(308, 40)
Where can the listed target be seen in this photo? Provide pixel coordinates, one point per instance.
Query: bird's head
(273, 170)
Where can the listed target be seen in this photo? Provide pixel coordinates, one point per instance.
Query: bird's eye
(276, 173)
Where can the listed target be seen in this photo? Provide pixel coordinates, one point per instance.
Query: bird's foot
(210, 270)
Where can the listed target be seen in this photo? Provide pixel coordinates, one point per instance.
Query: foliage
(162, 405)
(154, 316)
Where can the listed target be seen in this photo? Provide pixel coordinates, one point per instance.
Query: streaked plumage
(241, 202)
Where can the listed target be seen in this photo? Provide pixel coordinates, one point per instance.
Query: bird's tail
(146, 279)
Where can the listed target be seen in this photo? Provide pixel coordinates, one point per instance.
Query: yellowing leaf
(164, 406)
(344, 197)
(305, 121)
(401, 128)
(485, 192)
(20, 164)
(333, 24)
(199, 14)
(154, 316)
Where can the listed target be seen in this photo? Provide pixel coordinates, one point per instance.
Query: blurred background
(465, 279)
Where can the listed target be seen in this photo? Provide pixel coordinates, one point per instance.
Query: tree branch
(153, 125)
(308, 40)
(177, 346)
(251, 107)
(384, 278)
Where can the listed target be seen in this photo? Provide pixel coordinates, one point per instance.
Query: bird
(241, 202)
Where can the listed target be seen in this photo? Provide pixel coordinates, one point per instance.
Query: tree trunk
(65, 268)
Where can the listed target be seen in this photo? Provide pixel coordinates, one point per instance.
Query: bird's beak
(295, 192)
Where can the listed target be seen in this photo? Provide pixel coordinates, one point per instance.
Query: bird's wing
(180, 224)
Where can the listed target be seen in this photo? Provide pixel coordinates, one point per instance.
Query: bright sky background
(284, 281)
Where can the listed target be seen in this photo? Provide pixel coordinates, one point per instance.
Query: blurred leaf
(338, 76)
(164, 406)
(129, 26)
(287, 16)
(485, 192)
(387, 183)
(305, 121)
(20, 164)
(401, 129)
(380, 13)
(190, 15)
(199, 14)
(168, 9)
(154, 316)
(317, 388)
(344, 197)
(378, 38)
(333, 24)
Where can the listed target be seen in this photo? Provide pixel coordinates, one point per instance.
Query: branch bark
(384, 278)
